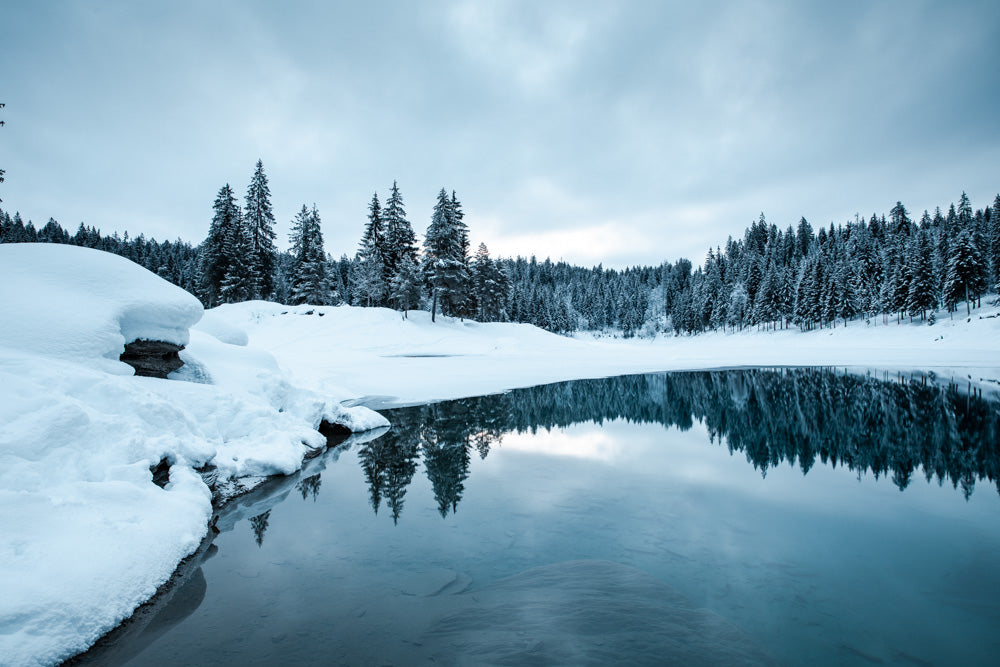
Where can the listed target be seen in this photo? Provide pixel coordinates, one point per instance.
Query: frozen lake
(735, 517)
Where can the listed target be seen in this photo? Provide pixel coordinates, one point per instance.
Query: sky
(620, 133)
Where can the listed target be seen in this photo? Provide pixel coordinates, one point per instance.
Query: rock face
(152, 358)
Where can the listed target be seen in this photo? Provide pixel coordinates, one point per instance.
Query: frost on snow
(87, 536)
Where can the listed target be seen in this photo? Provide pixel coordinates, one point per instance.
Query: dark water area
(789, 516)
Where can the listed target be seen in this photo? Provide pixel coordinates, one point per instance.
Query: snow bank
(374, 354)
(86, 535)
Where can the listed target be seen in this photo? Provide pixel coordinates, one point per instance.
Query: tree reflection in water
(886, 428)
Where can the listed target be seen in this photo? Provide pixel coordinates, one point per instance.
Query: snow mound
(217, 327)
(83, 304)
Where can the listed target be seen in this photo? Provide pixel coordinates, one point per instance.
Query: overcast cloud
(615, 132)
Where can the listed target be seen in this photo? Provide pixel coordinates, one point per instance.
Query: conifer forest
(884, 269)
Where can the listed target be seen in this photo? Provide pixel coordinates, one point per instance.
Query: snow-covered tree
(216, 249)
(400, 240)
(309, 282)
(922, 287)
(259, 221)
(489, 286)
(407, 286)
(444, 267)
(962, 282)
(372, 274)
(241, 281)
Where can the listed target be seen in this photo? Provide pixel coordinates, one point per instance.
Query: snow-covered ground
(86, 534)
(375, 354)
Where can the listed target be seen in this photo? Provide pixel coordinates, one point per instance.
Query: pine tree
(963, 272)
(900, 219)
(443, 266)
(216, 250)
(241, 281)
(803, 238)
(462, 231)
(371, 279)
(489, 286)
(922, 288)
(259, 221)
(964, 212)
(400, 241)
(309, 283)
(994, 234)
(407, 286)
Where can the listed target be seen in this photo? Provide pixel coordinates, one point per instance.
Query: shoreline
(122, 638)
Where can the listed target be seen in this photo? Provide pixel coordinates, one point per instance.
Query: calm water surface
(731, 517)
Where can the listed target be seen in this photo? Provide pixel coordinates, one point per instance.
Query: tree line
(876, 269)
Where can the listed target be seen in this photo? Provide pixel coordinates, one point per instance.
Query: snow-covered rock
(84, 305)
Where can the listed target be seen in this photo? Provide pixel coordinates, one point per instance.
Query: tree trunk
(434, 304)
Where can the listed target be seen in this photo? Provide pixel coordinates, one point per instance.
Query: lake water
(730, 517)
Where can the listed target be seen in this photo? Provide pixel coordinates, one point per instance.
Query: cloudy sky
(614, 132)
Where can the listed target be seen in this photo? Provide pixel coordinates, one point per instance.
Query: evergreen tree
(922, 288)
(900, 220)
(309, 283)
(216, 250)
(994, 234)
(407, 286)
(241, 281)
(963, 272)
(803, 238)
(371, 278)
(462, 306)
(259, 221)
(401, 242)
(489, 286)
(444, 267)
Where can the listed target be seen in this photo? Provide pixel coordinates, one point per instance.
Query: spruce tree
(922, 288)
(994, 244)
(241, 281)
(372, 278)
(963, 272)
(407, 286)
(443, 267)
(309, 283)
(216, 250)
(400, 241)
(488, 286)
(259, 221)
(462, 231)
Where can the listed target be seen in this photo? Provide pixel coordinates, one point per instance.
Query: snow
(376, 355)
(86, 534)
(60, 297)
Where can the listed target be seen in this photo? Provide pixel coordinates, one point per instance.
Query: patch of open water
(730, 517)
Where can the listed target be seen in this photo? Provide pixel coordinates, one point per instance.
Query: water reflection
(644, 545)
(797, 416)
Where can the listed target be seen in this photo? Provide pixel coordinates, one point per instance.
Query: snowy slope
(373, 352)
(86, 534)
